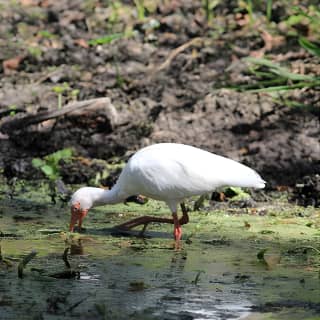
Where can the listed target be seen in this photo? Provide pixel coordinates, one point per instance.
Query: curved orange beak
(77, 216)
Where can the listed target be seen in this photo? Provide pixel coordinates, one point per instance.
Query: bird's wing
(174, 171)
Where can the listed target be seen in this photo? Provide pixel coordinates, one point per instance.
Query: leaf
(287, 87)
(278, 70)
(47, 170)
(37, 162)
(61, 88)
(50, 165)
(65, 153)
(236, 193)
(309, 46)
(106, 39)
(12, 64)
(55, 157)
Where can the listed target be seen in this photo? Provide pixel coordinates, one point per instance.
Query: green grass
(271, 77)
(311, 47)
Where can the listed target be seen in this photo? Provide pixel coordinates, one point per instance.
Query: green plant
(35, 51)
(271, 77)
(46, 34)
(250, 10)
(114, 16)
(269, 9)
(59, 90)
(309, 46)
(306, 16)
(238, 193)
(106, 39)
(65, 89)
(49, 165)
(208, 6)
(140, 9)
(74, 94)
(13, 110)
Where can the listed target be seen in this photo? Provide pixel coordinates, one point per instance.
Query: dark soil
(155, 97)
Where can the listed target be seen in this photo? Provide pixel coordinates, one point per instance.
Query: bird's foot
(177, 245)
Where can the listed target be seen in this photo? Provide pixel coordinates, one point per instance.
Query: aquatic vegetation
(49, 165)
(222, 257)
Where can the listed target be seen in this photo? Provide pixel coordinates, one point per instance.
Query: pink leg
(177, 230)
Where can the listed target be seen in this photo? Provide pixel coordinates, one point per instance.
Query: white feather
(172, 172)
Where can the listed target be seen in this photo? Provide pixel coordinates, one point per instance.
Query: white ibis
(168, 172)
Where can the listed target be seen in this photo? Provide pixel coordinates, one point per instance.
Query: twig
(77, 303)
(24, 262)
(65, 258)
(197, 278)
(175, 52)
(43, 116)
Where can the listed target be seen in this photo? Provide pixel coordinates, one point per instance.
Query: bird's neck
(108, 197)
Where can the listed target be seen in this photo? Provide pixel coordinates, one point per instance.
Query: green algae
(216, 274)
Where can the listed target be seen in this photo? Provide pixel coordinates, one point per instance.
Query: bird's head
(77, 215)
(81, 202)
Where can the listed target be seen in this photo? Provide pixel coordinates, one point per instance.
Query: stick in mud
(24, 262)
(65, 258)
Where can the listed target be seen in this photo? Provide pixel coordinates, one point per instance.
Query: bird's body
(170, 172)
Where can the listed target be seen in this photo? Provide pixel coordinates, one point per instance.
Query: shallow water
(130, 278)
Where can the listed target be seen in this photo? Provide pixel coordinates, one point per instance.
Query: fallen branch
(78, 303)
(47, 115)
(24, 262)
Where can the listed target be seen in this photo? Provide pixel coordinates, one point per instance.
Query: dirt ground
(168, 74)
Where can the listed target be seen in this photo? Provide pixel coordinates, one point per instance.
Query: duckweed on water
(216, 274)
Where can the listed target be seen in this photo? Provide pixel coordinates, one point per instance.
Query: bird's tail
(239, 175)
(251, 180)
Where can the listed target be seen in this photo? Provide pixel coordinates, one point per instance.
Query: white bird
(168, 172)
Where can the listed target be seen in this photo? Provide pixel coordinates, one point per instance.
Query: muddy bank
(167, 77)
(281, 143)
